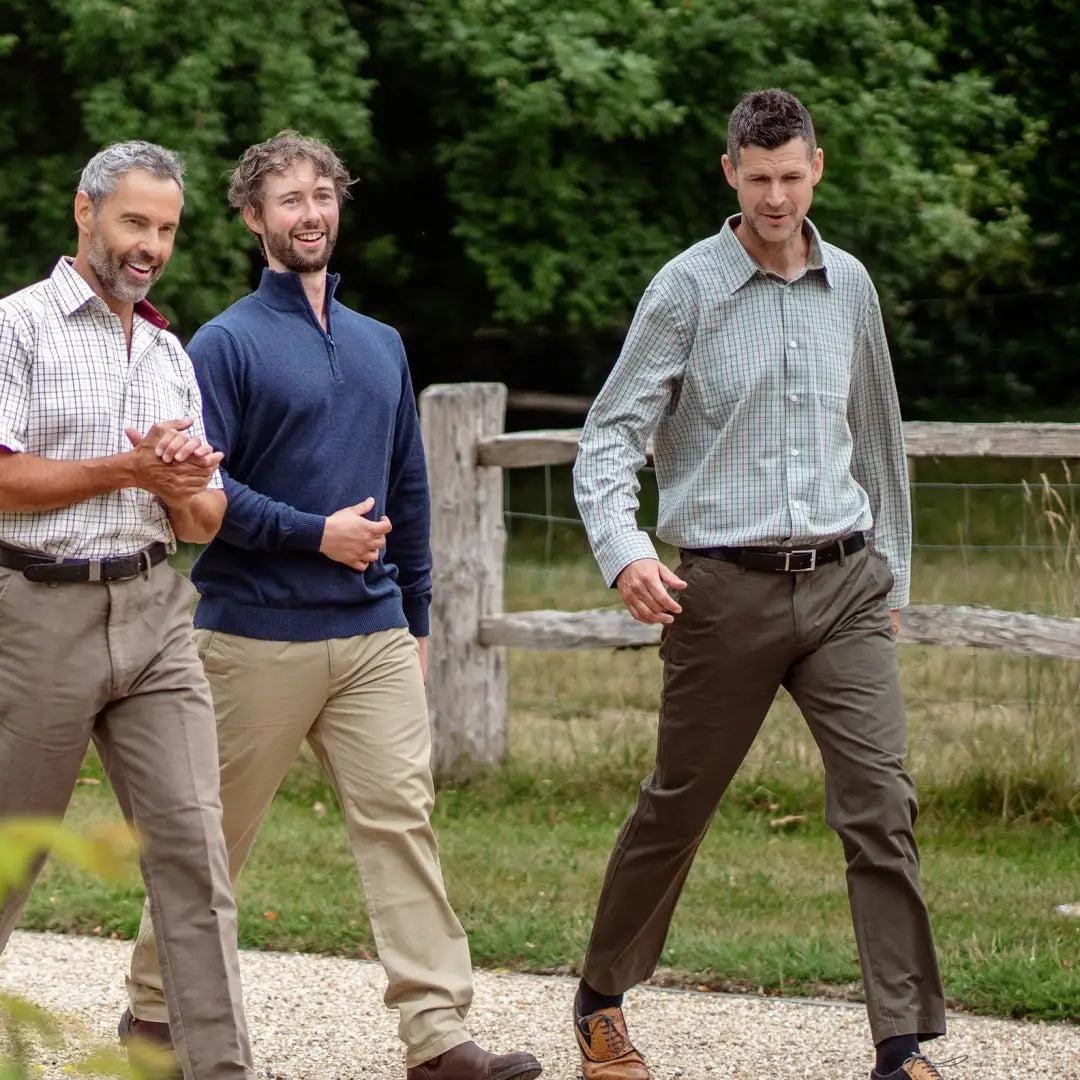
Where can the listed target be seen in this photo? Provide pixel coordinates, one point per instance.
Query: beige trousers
(360, 704)
(116, 663)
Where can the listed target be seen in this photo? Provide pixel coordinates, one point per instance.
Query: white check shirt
(68, 389)
(773, 409)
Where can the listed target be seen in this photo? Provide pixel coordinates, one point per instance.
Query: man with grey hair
(758, 359)
(103, 467)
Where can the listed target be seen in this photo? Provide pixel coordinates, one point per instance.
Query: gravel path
(317, 1018)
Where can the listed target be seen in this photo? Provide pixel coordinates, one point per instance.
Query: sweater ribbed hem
(298, 624)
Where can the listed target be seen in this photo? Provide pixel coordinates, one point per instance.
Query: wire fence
(1005, 544)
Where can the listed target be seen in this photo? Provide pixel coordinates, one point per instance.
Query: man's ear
(817, 164)
(84, 213)
(729, 170)
(253, 220)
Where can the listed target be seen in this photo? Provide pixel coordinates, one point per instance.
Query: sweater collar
(285, 291)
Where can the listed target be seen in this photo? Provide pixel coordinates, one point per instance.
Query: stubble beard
(108, 266)
(300, 262)
(774, 240)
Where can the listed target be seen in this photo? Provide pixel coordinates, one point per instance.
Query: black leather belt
(114, 568)
(783, 560)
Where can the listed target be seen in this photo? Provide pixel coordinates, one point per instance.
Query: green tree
(581, 146)
(204, 77)
(578, 146)
(1028, 331)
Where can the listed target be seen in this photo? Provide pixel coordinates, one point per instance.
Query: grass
(995, 749)
(765, 907)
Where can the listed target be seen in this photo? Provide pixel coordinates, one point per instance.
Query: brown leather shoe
(470, 1062)
(606, 1050)
(154, 1056)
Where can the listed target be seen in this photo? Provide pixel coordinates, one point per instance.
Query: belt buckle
(812, 552)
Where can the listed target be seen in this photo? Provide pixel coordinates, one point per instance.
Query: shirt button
(793, 397)
(794, 451)
(799, 505)
(793, 344)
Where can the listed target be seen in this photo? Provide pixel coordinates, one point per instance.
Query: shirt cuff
(899, 597)
(620, 551)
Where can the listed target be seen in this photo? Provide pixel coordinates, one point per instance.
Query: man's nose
(776, 193)
(152, 245)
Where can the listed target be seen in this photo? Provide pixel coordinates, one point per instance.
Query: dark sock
(892, 1053)
(589, 1000)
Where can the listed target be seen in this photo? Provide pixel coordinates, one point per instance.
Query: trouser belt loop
(843, 554)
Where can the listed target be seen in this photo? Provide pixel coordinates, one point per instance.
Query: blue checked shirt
(773, 410)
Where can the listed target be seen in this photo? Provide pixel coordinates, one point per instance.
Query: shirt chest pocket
(156, 396)
(725, 374)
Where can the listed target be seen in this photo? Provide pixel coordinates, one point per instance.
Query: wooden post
(467, 685)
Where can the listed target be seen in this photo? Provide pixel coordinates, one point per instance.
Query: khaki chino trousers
(826, 636)
(116, 663)
(360, 704)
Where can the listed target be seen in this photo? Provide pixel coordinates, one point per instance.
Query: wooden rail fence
(467, 448)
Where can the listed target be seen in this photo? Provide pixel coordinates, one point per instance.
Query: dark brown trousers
(826, 636)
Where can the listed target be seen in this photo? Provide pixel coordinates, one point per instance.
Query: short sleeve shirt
(69, 387)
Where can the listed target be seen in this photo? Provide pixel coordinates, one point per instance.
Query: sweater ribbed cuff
(416, 615)
(306, 532)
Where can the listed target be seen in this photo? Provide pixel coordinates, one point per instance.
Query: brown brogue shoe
(471, 1062)
(149, 1046)
(917, 1067)
(606, 1050)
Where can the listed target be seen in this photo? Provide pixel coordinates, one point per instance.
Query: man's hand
(895, 623)
(174, 445)
(421, 645)
(643, 585)
(352, 539)
(175, 479)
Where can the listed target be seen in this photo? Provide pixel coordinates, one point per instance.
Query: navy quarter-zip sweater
(309, 422)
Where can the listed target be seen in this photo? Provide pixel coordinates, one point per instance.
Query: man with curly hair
(312, 620)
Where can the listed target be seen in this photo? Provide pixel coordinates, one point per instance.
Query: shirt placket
(127, 365)
(797, 403)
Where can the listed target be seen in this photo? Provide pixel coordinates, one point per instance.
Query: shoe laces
(931, 1071)
(618, 1043)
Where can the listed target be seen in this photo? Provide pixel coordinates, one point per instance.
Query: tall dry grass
(989, 733)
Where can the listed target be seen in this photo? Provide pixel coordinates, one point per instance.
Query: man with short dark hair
(313, 618)
(95, 627)
(759, 360)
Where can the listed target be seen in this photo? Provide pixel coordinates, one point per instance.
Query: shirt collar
(285, 291)
(74, 293)
(738, 266)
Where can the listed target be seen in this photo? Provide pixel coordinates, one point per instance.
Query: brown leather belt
(37, 567)
(783, 560)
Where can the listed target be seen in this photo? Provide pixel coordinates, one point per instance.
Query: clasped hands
(171, 464)
(175, 465)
